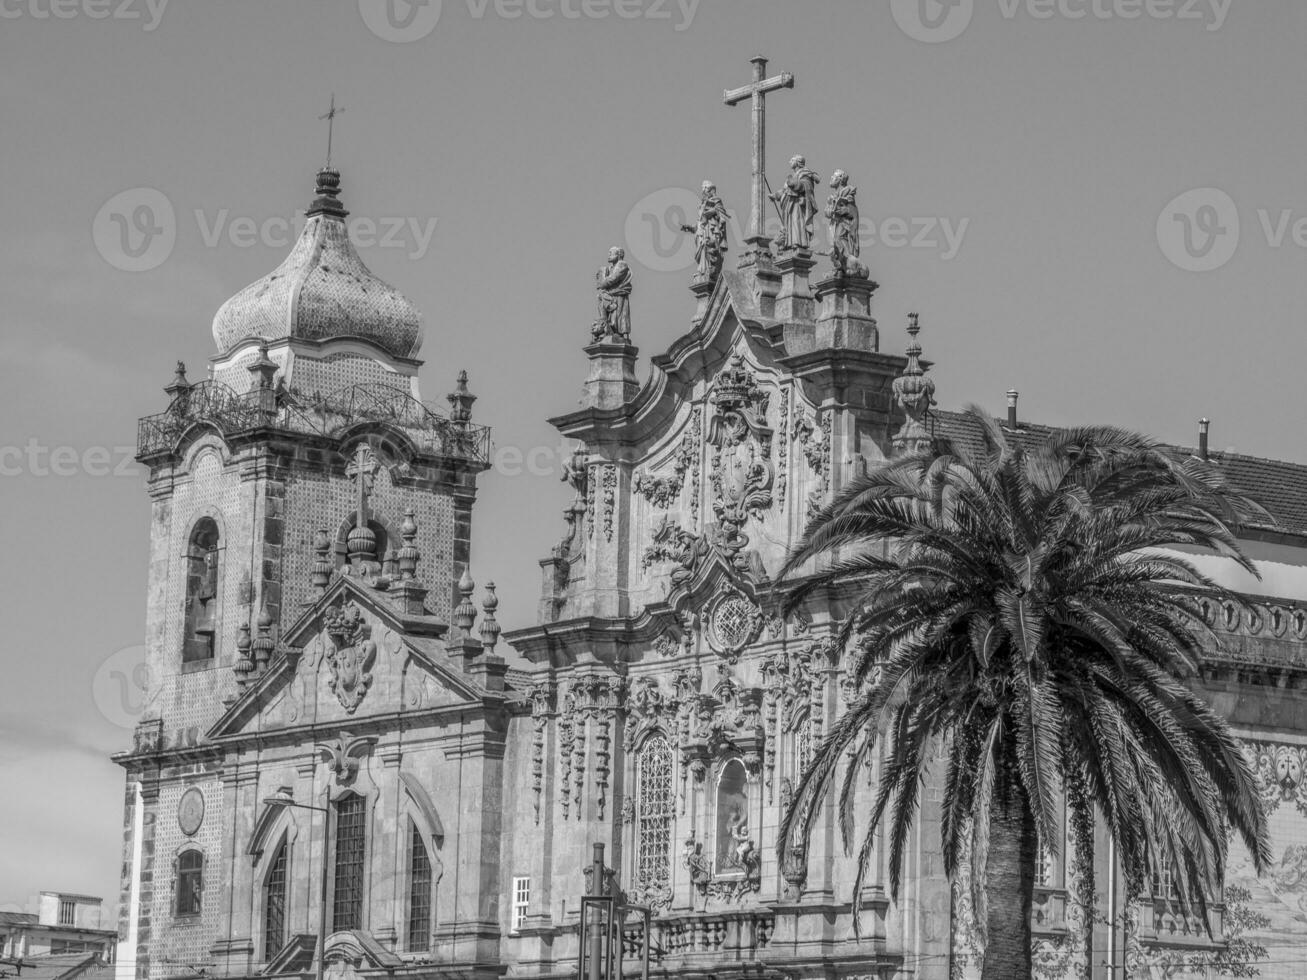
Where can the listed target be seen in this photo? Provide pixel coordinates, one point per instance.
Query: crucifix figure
(756, 92)
(330, 115)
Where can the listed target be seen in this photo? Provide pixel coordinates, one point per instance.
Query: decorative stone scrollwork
(742, 472)
(343, 755)
(672, 543)
(663, 491)
(609, 499)
(587, 704)
(697, 863)
(1280, 770)
(815, 438)
(541, 697)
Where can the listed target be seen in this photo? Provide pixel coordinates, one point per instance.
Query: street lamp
(282, 798)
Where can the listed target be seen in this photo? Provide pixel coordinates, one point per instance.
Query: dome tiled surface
(321, 291)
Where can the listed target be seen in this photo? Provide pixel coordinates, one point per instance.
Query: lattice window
(803, 748)
(419, 892)
(655, 810)
(274, 905)
(190, 882)
(521, 902)
(201, 591)
(67, 912)
(347, 895)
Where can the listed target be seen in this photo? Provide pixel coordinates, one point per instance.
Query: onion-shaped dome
(322, 291)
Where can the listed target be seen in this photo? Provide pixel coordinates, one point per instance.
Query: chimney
(1012, 396)
(1203, 426)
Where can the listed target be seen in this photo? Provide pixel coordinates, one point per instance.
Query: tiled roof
(1278, 486)
(60, 966)
(18, 918)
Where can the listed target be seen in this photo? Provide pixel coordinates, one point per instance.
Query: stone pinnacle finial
(460, 401)
(263, 368)
(915, 394)
(263, 643)
(244, 666)
(408, 554)
(322, 565)
(179, 382)
(465, 615)
(490, 628)
(327, 201)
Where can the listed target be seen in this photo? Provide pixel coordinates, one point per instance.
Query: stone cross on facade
(330, 115)
(361, 469)
(756, 92)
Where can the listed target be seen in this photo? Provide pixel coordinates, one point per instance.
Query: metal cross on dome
(756, 92)
(330, 115)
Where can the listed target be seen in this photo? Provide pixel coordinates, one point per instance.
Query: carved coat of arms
(352, 654)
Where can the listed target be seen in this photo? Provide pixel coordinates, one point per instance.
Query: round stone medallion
(734, 620)
(190, 811)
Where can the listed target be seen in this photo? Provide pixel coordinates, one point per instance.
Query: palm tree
(1012, 601)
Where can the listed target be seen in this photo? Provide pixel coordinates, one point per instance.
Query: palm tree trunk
(1009, 883)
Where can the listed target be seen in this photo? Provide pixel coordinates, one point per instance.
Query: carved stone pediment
(351, 656)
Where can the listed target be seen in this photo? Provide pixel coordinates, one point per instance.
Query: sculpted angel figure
(709, 233)
(613, 284)
(797, 201)
(842, 220)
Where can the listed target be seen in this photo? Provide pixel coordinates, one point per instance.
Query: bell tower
(308, 451)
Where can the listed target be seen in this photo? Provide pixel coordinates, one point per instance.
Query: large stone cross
(361, 469)
(756, 91)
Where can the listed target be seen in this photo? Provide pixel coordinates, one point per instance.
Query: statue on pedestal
(613, 284)
(842, 220)
(797, 202)
(709, 233)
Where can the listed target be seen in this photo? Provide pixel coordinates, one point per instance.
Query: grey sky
(1049, 145)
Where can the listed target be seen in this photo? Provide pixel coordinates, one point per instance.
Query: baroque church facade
(345, 768)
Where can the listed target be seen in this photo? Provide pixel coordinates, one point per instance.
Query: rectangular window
(347, 896)
(419, 893)
(190, 882)
(67, 912)
(521, 902)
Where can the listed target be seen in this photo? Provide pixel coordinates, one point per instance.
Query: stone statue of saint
(709, 233)
(842, 220)
(797, 201)
(613, 283)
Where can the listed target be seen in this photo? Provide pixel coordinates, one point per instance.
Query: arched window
(190, 882)
(274, 905)
(654, 811)
(419, 892)
(202, 552)
(347, 894)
